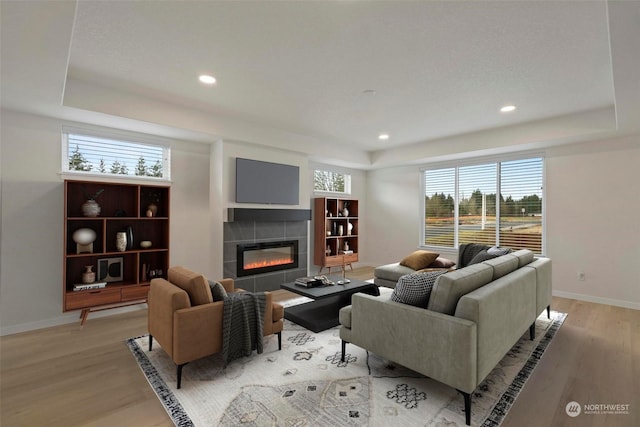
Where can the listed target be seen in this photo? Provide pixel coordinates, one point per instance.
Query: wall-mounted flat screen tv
(265, 182)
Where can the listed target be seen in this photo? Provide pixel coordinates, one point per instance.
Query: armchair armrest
(163, 300)
(197, 332)
(228, 284)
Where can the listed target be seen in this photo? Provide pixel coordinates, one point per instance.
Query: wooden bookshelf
(333, 230)
(123, 208)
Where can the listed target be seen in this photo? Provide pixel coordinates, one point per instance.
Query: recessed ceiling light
(206, 79)
(507, 108)
(383, 136)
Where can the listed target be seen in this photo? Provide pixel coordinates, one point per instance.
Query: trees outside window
(331, 182)
(101, 155)
(460, 205)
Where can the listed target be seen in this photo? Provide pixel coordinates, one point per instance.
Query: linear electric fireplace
(266, 257)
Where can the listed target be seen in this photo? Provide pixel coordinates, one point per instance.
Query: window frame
(478, 161)
(118, 136)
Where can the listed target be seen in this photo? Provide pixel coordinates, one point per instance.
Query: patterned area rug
(306, 384)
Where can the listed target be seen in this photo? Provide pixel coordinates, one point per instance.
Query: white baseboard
(73, 317)
(598, 300)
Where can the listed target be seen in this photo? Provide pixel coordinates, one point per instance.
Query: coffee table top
(328, 290)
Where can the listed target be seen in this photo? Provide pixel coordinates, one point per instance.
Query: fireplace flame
(267, 263)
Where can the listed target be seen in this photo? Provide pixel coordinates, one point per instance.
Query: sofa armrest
(437, 345)
(197, 332)
(544, 290)
(503, 311)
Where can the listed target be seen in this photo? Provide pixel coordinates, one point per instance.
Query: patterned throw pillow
(415, 289)
(481, 256)
(217, 290)
(494, 250)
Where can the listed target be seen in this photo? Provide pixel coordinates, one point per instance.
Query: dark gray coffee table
(322, 313)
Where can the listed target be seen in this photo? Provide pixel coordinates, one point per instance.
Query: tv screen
(265, 182)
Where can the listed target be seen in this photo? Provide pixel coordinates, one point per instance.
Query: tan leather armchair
(187, 323)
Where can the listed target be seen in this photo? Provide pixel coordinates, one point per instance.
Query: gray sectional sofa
(473, 317)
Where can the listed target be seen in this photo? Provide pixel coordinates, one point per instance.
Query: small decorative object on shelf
(152, 210)
(346, 246)
(340, 230)
(89, 276)
(84, 287)
(121, 241)
(84, 238)
(349, 228)
(146, 244)
(345, 210)
(129, 237)
(91, 208)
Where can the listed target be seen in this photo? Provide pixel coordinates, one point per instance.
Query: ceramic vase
(88, 276)
(340, 230)
(121, 241)
(91, 208)
(152, 209)
(345, 212)
(129, 231)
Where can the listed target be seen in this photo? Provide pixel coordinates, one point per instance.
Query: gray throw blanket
(242, 325)
(468, 251)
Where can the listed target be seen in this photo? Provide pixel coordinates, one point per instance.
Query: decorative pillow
(481, 256)
(419, 259)
(415, 289)
(441, 262)
(217, 290)
(494, 250)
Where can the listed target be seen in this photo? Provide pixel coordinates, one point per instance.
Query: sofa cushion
(451, 286)
(525, 256)
(218, 293)
(392, 272)
(502, 265)
(419, 259)
(194, 284)
(415, 289)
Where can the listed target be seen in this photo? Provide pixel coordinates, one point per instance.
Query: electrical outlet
(581, 276)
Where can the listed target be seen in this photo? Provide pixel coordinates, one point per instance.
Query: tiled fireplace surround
(248, 231)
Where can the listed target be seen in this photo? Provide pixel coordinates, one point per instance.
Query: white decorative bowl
(145, 244)
(84, 236)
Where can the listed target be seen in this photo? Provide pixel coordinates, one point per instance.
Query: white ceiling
(293, 73)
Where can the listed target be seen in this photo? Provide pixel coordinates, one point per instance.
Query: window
(460, 204)
(93, 154)
(331, 182)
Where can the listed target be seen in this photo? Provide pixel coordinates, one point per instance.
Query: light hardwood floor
(67, 376)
